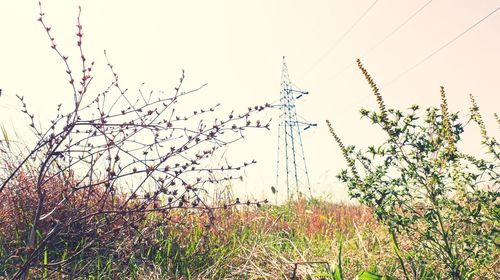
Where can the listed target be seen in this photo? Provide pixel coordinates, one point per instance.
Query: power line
(339, 40)
(389, 35)
(398, 28)
(440, 48)
(427, 57)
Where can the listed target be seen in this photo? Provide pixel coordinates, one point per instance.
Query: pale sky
(237, 47)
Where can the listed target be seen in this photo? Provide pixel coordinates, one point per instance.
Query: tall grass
(243, 243)
(268, 242)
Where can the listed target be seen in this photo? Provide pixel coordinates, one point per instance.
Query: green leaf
(395, 244)
(45, 262)
(338, 275)
(365, 275)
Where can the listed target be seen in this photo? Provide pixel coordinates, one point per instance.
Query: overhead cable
(440, 48)
(340, 39)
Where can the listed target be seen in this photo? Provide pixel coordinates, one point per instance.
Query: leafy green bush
(421, 185)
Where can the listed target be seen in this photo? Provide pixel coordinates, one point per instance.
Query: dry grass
(267, 242)
(242, 242)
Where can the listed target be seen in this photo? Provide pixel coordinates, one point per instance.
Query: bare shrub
(102, 168)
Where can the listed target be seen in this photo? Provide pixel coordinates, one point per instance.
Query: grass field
(272, 241)
(299, 239)
(243, 242)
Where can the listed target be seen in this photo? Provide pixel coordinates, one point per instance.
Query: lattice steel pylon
(291, 161)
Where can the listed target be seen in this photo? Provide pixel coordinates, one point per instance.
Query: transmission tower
(291, 163)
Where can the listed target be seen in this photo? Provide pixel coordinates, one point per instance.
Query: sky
(236, 47)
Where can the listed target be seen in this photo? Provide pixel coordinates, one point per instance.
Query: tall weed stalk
(421, 185)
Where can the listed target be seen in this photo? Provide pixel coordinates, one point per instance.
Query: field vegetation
(116, 186)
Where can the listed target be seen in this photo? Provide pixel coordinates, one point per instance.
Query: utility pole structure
(291, 162)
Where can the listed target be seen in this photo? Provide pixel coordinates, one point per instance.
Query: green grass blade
(365, 275)
(339, 275)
